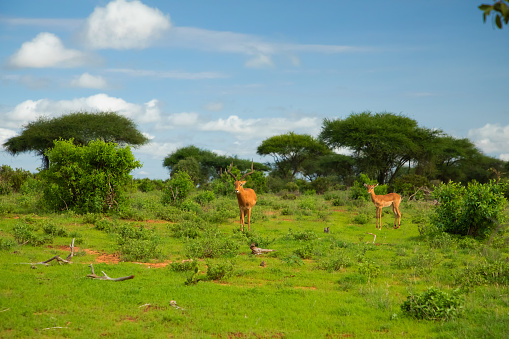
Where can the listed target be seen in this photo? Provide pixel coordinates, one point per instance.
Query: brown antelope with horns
(245, 196)
(382, 201)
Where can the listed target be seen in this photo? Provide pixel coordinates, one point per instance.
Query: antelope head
(239, 182)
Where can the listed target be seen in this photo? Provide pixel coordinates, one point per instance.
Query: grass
(315, 284)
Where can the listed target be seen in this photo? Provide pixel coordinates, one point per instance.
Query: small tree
(177, 188)
(474, 210)
(89, 178)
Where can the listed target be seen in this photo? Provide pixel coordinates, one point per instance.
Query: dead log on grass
(56, 257)
(105, 277)
(256, 250)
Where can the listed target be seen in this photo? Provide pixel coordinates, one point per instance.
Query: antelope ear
(375, 185)
(242, 183)
(365, 185)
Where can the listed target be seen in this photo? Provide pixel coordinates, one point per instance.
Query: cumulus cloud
(491, 138)
(87, 80)
(47, 50)
(30, 110)
(124, 25)
(158, 150)
(262, 127)
(6, 134)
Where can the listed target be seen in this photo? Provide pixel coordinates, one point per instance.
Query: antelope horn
(246, 174)
(230, 173)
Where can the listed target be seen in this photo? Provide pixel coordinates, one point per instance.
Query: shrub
(137, 243)
(177, 189)
(334, 263)
(25, 233)
(473, 210)
(305, 252)
(212, 245)
(496, 272)
(219, 271)
(301, 235)
(12, 180)
(6, 243)
(433, 304)
(91, 178)
(187, 265)
(359, 192)
(204, 197)
(188, 228)
(54, 230)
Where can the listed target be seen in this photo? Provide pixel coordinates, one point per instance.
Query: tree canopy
(382, 143)
(38, 136)
(291, 150)
(202, 164)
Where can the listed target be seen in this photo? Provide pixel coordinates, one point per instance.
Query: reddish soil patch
(306, 287)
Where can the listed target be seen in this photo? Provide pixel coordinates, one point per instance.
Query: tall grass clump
(433, 304)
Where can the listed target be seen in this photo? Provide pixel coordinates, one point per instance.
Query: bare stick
(374, 235)
(105, 277)
(256, 250)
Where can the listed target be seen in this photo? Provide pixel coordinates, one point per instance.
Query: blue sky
(225, 75)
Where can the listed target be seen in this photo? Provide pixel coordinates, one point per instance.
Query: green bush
(334, 263)
(204, 197)
(12, 180)
(25, 233)
(474, 210)
(212, 245)
(177, 189)
(496, 272)
(301, 235)
(91, 178)
(219, 271)
(137, 243)
(433, 304)
(305, 252)
(187, 265)
(54, 230)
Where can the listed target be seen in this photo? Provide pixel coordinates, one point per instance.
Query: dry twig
(105, 277)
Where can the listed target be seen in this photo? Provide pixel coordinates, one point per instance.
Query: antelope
(246, 197)
(382, 201)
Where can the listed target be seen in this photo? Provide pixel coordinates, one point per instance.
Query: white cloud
(87, 80)
(491, 138)
(504, 157)
(168, 74)
(260, 52)
(47, 50)
(6, 134)
(30, 110)
(214, 106)
(124, 25)
(158, 150)
(262, 127)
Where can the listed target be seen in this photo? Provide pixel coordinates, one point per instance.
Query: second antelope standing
(245, 196)
(382, 201)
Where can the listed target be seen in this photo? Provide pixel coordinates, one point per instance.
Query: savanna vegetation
(443, 274)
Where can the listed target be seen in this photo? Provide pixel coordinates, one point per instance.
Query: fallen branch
(56, 257)
(256, 250)
(105, 277)
(374, 235)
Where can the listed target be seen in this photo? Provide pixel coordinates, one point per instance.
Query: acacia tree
(82, 127)
(382, 143)
(291, 150)
(210, 163)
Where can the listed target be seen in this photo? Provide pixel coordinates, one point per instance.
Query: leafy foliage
(291, 150)
(81, 128)
(177, 189)
(502, 9)
(433, 304)
(473, 210)
(12, 180)
(90, 178)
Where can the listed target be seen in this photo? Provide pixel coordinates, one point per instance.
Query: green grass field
(314, 285)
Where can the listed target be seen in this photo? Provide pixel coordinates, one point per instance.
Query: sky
(226, 75)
